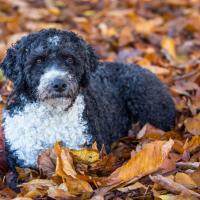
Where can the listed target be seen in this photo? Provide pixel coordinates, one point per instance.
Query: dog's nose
(59, 85)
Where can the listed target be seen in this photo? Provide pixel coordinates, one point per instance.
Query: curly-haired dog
(62, 93)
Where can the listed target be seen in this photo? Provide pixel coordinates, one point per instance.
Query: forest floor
(160, 35)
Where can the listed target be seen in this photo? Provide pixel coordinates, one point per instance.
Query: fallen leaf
(185, 179)
(134, 186)
(153, 68)
(87, 156)
(172, 186)
(36, 187)
(76, 186)
(46, 162)
(126, 36)
(192, 144)
(192, 125)
(7, 194)
(168, 44)
(146, 161)
(196, 176)
(26, 174)
(64, 163)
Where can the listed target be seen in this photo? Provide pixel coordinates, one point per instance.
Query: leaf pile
(162, 36)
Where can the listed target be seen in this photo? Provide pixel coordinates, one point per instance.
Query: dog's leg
(11, 175)
(147, 99)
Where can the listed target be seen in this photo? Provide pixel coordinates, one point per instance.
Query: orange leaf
(125, 37)
(193, 144)
(168, 44)
(193, 125)
(64, 166)
(146, 161)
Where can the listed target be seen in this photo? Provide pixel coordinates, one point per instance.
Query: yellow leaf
(54, 11)
(168, 44)
(196, 176)
(146, 161)
(193, 144)
(185, 180)
(85, 155)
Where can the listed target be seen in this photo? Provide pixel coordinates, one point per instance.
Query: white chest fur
(39, 126)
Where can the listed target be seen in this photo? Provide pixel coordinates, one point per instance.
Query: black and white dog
(62, 93)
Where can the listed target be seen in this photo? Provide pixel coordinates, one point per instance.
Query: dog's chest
(39, 126)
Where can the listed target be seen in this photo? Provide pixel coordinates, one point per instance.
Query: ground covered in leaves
(160, 35)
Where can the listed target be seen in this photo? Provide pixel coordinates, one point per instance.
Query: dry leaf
(26, 174)
(46, 162)
(193, 144)
(36, 187)
(7, 194)
(185, 179)
(76, 186)
(134, 186)
(193, 125)
(196, 176)
(168, 44)
(172, 186)
(125, 36)
(148, 160)
(87, 156)
(64, 164)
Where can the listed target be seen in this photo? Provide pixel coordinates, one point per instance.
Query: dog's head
(50, 64)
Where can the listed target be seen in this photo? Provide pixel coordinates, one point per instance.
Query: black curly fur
(116, 94)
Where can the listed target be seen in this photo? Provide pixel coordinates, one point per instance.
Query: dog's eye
(39, 60)
(70, 60)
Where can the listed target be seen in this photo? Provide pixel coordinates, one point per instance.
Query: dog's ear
(91, 62)
(12, 68)
(9, 63)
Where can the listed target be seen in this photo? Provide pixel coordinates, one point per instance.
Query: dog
(62, 92)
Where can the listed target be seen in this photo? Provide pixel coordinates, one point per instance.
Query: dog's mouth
(58, 99)
(56, 96)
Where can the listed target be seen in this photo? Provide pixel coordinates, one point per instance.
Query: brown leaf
(46, 162)
(26, 174)
(7, 194)
(193, 125)
(192, 144)
(126, 36)
(76, 186)
(36, 187)
(104, 166)
(64, 164)
(60, 192)
(172, 186)
(148, 160)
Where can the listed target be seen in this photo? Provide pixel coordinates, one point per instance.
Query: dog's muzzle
(57, 84)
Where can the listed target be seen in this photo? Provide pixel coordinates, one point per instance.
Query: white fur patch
(54, 40)
(40, 125)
